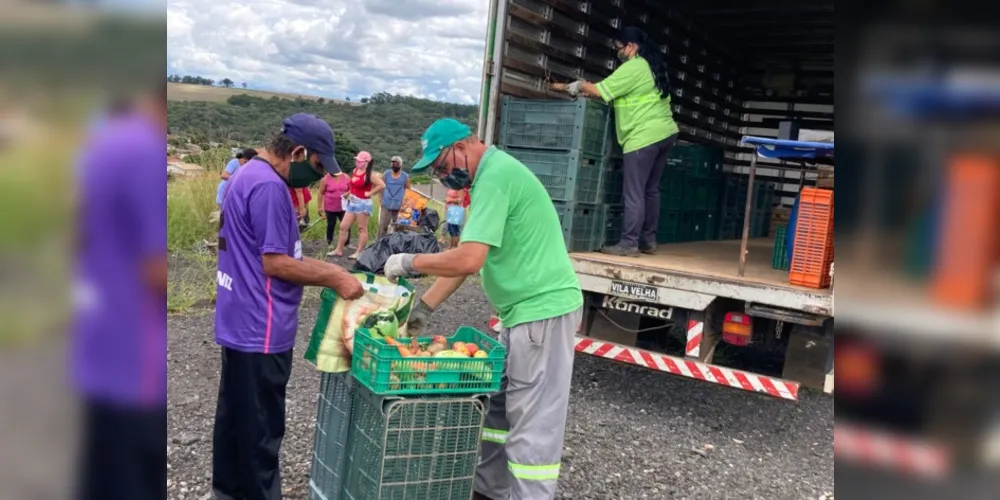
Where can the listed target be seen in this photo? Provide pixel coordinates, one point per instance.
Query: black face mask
(302, 174)
(458, 178)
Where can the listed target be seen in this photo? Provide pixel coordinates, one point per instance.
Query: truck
(715, 311)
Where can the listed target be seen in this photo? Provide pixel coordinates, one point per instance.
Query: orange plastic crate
(969, 243)
(813, 251)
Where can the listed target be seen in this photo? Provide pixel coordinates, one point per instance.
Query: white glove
(399, 266)
(574, 89)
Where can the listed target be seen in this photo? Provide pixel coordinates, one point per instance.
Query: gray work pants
(643, 169)
(523, 434)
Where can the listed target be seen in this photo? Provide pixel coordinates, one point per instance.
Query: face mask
(301, 174)
(459, 177)
(622, 56)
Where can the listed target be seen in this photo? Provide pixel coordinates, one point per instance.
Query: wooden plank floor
(717, 259)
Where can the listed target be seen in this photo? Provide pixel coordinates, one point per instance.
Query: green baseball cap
(442, 133)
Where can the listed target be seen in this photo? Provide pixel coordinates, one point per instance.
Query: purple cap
(317, 137)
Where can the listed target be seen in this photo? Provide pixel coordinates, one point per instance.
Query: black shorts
(454, 229)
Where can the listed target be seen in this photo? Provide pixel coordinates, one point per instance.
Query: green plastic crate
(779, 255)
(333, 419)
(673, 189)
(711, 220)
(697, 160)
(581, 124)
(583, 225)
(413, 448)
(612, 149)
(382, 368)
(571, 176)
(701, 196)
(613, 183)
(614, 222)
(670, 221)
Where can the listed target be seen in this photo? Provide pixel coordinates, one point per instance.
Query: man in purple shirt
(260, 279)
(119, 343)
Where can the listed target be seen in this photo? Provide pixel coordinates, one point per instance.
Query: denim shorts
(357, 205)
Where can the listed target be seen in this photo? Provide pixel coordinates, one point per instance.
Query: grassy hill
(386, 125)
(208, 93)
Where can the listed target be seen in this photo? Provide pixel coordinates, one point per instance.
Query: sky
(333, 48)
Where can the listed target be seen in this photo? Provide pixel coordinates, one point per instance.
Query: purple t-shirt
(255, 312)
(119, 345)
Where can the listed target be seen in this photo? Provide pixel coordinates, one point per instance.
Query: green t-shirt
(642, 116)
(527, 275)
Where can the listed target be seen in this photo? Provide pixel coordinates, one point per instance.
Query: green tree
(391, 127)
(226, 82)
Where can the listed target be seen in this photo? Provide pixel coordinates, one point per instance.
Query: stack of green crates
(564, 143)
(413, 447)
(779, 255)
(402, 429)
(690, 190)
(733, 207)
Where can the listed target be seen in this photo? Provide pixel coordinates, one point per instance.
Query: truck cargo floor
(715, 259)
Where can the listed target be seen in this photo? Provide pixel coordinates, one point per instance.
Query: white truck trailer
(736, 70)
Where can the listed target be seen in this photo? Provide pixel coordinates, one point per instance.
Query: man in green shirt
(513, 238)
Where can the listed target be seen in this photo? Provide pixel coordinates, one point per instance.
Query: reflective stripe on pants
(523, 434)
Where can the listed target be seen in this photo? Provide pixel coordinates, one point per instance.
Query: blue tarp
(781, 148)
(943, 96)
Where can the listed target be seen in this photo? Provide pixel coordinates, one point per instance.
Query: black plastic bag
(372, 259)
(429, 221)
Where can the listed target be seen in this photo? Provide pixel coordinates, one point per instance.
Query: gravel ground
(631, 433)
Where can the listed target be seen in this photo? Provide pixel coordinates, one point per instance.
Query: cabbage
(382, 324)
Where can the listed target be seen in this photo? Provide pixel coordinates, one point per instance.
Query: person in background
(248, 154)
(639, 90)
(396, 184)
(331, 203)
(454, 214)
(364, 184)
(118, 343)
(514, 241)
(260, 278)
(227, 172)
(300, 201)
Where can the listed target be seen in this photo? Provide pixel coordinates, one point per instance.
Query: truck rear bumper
(705, 372)
(878, 449)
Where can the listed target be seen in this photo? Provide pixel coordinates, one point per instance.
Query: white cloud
(333, 48)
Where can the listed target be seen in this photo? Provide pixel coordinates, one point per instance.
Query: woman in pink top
(331, 202)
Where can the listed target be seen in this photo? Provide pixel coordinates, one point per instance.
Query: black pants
(124, 455)
(331, 221)
(643, 169)
(249, 425)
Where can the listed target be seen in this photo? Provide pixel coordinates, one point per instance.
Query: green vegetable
(381, 323)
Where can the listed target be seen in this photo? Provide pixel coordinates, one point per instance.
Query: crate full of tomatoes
(468, 362)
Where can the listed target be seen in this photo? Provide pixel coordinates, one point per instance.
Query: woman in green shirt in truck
(639, 90)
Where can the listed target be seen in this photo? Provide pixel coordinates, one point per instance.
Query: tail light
(737, 329)
(857, 368)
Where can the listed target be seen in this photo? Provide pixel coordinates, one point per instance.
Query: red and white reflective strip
(678, 366)
(687, 368)
(696, 330)
(877, 448)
